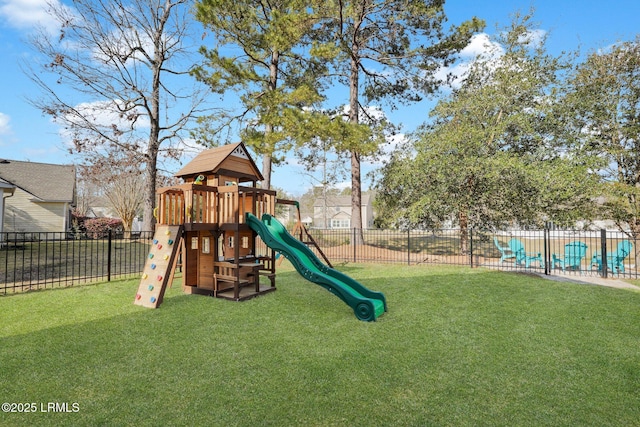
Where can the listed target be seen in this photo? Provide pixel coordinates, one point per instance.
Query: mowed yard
(458, 347)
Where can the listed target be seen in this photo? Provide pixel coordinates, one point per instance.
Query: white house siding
(367, 217)
(341, 214)
(24, 214)
(1, 215)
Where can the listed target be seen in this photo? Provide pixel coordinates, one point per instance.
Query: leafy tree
(489, 156)
(603, 109)
(118, 67)
(259, 57)
(383, 51)
(119, 182)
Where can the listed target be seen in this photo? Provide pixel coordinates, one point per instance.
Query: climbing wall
(158, 269)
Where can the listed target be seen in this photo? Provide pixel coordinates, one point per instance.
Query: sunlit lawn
(458, 346)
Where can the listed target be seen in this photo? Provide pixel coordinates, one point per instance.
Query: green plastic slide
(366, 304)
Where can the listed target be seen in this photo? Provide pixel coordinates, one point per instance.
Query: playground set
(220, 228)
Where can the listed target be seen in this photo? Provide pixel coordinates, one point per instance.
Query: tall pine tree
(260, 57)
(384, 52)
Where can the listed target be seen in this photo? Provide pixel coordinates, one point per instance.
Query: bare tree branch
(117, 78)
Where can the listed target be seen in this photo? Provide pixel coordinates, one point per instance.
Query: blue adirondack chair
(522, 256)
(615, 260)
(505, 251)
(574, 252)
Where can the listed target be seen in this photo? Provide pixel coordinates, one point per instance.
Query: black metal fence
(30, 261)
(549, 251)
(45, 260)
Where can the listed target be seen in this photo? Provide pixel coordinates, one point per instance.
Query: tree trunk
(356, 185)
(266, 169)
(634, 226)
(268, 128)
(154, 127)
(126, 230)
(150, 173)
(356, 199)
(463, 218)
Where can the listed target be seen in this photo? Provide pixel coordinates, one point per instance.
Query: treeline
(525, 138)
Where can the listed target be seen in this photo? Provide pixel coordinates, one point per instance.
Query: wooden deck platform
(246, 292)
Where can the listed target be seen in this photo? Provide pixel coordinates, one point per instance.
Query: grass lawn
(458, 347)
(42, 263)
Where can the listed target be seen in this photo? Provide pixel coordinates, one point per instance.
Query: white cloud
(125, 43)
(5, 127)
(480, 46)
(108, 114)
(342, 185)
(26, 14)
(100, 114)
(393, 141)
(533, 38)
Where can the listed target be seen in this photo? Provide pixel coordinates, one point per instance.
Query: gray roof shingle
(46, 182)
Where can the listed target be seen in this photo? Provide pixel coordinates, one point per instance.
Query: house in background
(99, 208)
(335, 212)
(43, 195)
(6, 190)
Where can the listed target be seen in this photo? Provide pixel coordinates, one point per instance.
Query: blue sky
(25, 134)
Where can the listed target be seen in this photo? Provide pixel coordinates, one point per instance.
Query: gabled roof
(336, 201)
(5, 185)
(210, 160)
(46, 182)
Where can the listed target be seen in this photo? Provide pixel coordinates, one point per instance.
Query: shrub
(77, 225)
(98, 228)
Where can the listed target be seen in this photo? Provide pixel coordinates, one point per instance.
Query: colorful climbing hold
(150, 256)
(166, 257)
(153, 266)
(170, 242)
(159, 246)
(138, 296)
(159, 278)
(153, 299)
(150, 287)
(168, 232)
(155, 241)
(144, 275)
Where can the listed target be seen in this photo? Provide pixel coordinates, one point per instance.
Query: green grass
(458, 347)
(51, 262)
(633, 281)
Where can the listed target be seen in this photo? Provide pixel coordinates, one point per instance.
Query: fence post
(408, 245)
(109, 257)
(353, 243)
(471, 247)
(603, 251)
(547, 243)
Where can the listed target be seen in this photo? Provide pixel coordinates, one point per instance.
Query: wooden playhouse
(201, 227)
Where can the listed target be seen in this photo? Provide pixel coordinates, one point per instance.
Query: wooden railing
(204, 204)
(228, 205)
(201, 204)
(170, 207)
